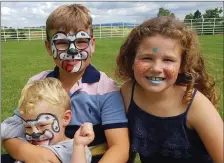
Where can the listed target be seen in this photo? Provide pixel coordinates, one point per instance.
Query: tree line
(194, 19)
(209, 13)
(200, 20)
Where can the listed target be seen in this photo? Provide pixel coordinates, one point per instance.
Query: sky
(34, 14)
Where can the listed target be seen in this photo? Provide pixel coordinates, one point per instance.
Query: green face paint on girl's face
(155, 49)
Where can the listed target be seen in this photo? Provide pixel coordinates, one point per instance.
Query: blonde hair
(69, 17)
(49, 90)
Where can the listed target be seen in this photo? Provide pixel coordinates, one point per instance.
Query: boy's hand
(84, 135)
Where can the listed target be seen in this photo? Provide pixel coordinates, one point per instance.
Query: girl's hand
(84, 135)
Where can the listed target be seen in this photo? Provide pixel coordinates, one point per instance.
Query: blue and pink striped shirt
(95, 98)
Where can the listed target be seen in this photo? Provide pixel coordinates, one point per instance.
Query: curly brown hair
(192, 65)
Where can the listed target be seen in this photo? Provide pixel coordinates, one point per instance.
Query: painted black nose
(72, 51)
(35, 135)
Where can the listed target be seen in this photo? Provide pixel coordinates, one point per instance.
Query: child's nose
(72, 50)
(35, 135)
(35, 129)
(157, 67)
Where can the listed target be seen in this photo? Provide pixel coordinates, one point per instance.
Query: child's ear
(67, 117)
(48, 47)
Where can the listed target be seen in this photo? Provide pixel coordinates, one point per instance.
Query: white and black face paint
(42, 135)
(70, 49)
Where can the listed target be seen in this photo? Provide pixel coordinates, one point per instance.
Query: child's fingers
(87, 127)
(78, 132)
(87, 130)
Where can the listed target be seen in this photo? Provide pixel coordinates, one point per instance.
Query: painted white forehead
(41, 118)
(72, 37)
(82, 34)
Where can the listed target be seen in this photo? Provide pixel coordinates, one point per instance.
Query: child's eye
(61, 42)
(168, 60)
(27, 127)
(42, 125)
(147, 58)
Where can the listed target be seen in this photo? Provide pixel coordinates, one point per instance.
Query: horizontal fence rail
(209, 26)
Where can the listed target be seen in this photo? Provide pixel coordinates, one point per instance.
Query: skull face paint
(141, 66)
(70, 48)
(41, 131)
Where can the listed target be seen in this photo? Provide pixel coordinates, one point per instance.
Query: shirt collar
(91, 74)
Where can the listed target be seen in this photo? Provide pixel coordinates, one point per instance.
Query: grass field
(21, 60)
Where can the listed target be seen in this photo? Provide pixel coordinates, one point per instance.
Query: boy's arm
(78, 155)
(82, 137)
(114, 122)
(12, 127)
(118, 142)
(29, 153)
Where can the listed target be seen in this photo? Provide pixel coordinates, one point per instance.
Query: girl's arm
(205, 119)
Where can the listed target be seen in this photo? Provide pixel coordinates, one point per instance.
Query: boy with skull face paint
(45, 109)
(95, 97)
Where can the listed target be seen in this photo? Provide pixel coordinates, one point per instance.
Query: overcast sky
(30, 14)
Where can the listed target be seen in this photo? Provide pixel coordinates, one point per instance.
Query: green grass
(21, 60)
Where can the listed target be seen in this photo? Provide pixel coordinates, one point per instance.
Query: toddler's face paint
(170, 71)
(141, 67)
(42, 130)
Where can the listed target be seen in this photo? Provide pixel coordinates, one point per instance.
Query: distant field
(21, 60)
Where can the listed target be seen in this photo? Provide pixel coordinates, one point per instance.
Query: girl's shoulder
(200, 108)
(204, 118)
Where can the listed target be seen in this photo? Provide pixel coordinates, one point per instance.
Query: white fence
(209, 26)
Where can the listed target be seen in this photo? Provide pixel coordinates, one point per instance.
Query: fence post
(191, 23)
(123, 29)
(111, 30)
(214, 27)
(4, 34)
(17, 34)
(100, 30)
(42, 34)
(29, 33)
(202, 30)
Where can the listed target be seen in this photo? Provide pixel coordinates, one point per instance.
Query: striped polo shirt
(96, 99)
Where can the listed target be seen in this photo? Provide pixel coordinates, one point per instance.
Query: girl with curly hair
(169, 97)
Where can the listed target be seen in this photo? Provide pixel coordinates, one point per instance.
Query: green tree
(188, 18)
(197, 15)
(209, 20)
(213, 13)
(164, 12)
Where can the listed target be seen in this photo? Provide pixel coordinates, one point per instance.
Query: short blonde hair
(69, 17)
(49, 90)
